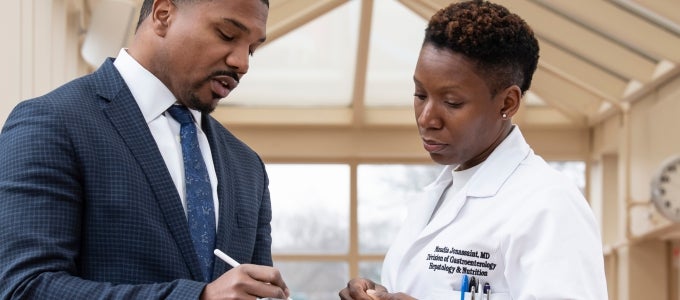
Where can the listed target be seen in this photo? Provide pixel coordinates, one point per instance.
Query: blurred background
(328, 105)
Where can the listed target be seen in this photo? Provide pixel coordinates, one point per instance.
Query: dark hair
(500, 43)
(148, 4)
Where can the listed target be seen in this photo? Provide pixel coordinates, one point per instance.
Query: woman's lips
(433, 146)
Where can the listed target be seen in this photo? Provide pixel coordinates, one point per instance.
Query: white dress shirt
(153, 99)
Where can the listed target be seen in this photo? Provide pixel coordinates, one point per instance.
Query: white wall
(627, 150)
(41, 51)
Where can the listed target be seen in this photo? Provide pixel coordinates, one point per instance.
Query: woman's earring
(504, 115)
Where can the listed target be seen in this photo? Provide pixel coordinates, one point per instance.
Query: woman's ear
(511, 97)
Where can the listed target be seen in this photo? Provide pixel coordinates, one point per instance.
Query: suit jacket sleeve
(41, 207)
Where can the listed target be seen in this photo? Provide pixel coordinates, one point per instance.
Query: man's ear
(511, 97)
(161, 16)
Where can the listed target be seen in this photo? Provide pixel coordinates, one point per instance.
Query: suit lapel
(125, 116)
(227, 212)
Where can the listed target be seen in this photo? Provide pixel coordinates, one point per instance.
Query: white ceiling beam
(653, 86)
(279, 116)
(361, 68)
(620, 25)
(670, 21)
(569, 99)
(552, 28)
(374, 117)
(289, 15)
(582, 84)
(423, 8)
(609, 84)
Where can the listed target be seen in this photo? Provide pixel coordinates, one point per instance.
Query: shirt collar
(151, 95)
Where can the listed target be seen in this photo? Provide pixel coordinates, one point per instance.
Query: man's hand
(247, 282)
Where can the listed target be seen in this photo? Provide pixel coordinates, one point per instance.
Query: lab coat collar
(494, 171)
(498, 167)
(486, 182)
(421, 211)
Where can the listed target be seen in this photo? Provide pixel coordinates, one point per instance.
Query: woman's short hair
(500, 43)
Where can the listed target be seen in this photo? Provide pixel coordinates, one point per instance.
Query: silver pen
(487, 290)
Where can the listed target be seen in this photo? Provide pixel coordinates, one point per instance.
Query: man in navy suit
(93, 202)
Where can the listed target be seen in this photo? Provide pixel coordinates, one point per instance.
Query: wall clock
(666, 189)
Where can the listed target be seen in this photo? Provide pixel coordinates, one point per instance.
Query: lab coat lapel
(417, 232)
(484, 183)
(422, 210)
(418, 217)
(447, 212)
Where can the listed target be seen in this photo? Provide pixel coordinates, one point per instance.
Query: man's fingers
(269, 280)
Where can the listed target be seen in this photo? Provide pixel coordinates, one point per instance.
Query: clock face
(666, 189)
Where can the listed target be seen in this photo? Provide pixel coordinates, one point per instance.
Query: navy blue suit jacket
(88, 209)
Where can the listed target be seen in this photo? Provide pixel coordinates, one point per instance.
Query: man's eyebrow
(240, 26)
(237, 24)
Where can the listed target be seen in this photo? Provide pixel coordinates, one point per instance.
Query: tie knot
(181, 114)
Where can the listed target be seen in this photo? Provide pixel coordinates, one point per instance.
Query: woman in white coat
(497, 212)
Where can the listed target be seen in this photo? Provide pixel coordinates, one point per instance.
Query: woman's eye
(454, 104)
(420, 96)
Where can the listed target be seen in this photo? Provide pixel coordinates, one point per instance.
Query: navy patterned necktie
(200, 210)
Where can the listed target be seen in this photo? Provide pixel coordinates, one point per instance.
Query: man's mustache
(229, 73)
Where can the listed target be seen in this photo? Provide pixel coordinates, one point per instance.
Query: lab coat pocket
(455, 295)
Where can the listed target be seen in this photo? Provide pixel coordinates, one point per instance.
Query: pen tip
(487, 288)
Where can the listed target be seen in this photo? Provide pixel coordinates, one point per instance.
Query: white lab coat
(517, 224)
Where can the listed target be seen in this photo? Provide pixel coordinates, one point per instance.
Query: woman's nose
(429, 116)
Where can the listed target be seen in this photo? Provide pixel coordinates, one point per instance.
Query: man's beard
(195, 103)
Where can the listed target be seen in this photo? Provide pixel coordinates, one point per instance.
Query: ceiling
(350, 62)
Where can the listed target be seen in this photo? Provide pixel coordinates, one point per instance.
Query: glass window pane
(396, 36)
(314, 280)
(383, 192)
(310, 204)
(312, 65)
(370, 270)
